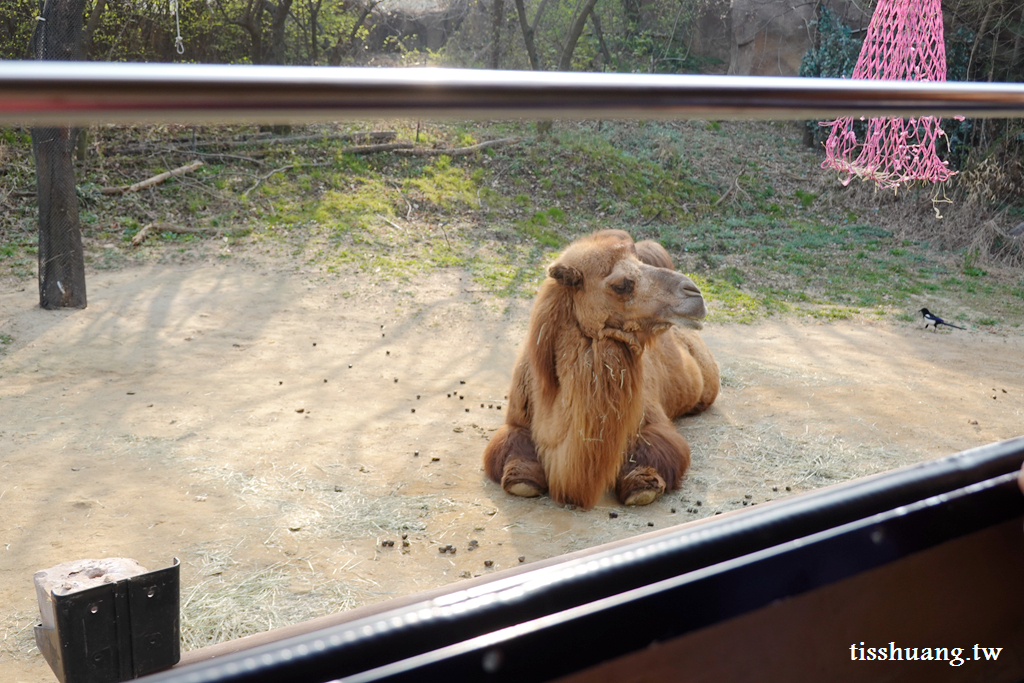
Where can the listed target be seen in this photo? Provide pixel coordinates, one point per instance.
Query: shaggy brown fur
(602, 374)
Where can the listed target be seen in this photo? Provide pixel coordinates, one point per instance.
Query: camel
(611, 358)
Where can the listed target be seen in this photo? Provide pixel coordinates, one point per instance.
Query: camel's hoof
(526, 489)
(524, 478)
(642, 497)
(642, 486)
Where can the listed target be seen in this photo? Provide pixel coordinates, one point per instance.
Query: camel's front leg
(657, 460)
(510, 459)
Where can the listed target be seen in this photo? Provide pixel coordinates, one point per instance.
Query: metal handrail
(80, 93)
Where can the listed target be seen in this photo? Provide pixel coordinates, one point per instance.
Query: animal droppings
(699, 503)
(522, 558)
(300, 410)
(414, 410)
(488, 563)
(482, 405)
(673, 511)
(613, 515)
(325, 381)
(775, 488)
(788, 488)
(462, 381)
(417, 397)
(650, 523)
(396, 380)
(467, 410)
(387, 353)
(435, 459)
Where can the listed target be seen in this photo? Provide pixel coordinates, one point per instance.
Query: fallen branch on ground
(155, 180)
(735, 187)
(459, 151)
(377, 136)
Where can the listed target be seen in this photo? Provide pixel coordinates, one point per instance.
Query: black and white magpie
(935, 320)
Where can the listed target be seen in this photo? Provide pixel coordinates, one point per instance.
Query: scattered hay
(228, 600)
(732, 457)
(18, 640)
(301, 499)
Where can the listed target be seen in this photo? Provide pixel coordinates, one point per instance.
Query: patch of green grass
(833, 313)
(728, 303)
(363, 203)
(537, 227)
(445, 186)
(806, 199)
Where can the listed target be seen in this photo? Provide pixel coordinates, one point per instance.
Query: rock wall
(770, 37)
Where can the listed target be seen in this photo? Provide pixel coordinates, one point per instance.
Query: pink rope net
(904, 42)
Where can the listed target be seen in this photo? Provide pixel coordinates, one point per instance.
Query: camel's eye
(624, 286)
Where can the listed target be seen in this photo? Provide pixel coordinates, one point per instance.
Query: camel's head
(622, 291)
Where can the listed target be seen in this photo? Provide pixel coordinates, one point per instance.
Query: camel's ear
(566, 275)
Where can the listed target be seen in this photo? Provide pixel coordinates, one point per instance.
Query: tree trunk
(565, 61)
(252, 22)
(314, 17)
(278, 17)
(632, 11)
(531, 49)
(596, 21)
(499, 18)
(61, 260)
(94, 22)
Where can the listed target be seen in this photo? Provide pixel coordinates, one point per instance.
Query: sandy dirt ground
(272, 427)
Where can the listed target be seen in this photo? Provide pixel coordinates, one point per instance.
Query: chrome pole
(79, 93)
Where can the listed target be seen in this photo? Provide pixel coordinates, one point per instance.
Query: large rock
(770, 37)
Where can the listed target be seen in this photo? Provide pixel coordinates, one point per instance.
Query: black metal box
(116, 631)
